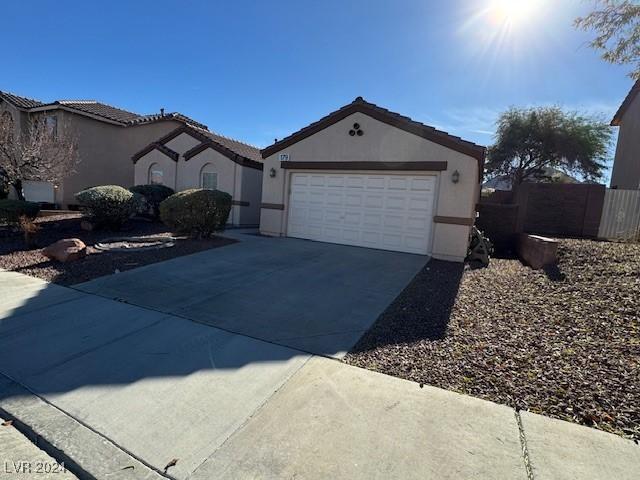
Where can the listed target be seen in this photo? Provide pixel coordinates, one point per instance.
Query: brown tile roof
(102, 110)
(617, 118)
(20, 102)
(238, 151)
(167, 116)
(388, 117)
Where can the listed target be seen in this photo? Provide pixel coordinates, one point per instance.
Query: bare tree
(41, 152)
(617, 27)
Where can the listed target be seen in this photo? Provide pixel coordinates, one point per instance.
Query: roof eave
(221, 149)
(155, 146)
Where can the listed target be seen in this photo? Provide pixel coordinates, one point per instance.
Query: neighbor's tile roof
(243, 149)
(617, 118)
(20, 102)
(101, 110)
(235, 150)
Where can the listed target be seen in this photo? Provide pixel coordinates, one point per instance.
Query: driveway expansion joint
(523, 442)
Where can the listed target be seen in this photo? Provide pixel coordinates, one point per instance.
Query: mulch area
(564, 342)
(15, 257)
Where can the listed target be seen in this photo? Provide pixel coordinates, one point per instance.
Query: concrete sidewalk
(124, 390)
(21, 459)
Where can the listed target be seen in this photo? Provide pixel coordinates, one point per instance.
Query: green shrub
(196, 212)
(108, 206)
(153, 195)
(12, 210)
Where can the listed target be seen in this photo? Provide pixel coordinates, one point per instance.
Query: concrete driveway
(315, 297)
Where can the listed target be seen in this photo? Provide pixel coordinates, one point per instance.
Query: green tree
(617, 27)
(530, 140)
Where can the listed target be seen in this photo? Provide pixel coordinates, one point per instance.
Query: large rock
(66, 250)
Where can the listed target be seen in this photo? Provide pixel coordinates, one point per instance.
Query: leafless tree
(40, 152)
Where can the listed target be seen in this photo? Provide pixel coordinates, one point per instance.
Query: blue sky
(259, 70)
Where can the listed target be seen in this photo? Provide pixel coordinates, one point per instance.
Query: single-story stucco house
(626, 166)
(107, 137)
(369, 177)
(191, 157)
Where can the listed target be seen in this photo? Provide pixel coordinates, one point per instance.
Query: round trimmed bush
(196, 212)
(108, 206)
(12, 210)
(153, 195)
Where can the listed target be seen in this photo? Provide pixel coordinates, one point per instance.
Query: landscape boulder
(66, 250)
(537, 251)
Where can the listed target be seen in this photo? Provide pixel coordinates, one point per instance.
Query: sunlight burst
(512, 12)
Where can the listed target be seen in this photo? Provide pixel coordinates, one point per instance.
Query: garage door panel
(396, 203)
(376, 182)
(422, 184)
(393, 212)
(374, 201)
(398, 183)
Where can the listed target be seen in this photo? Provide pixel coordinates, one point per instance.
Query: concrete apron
(131, 389)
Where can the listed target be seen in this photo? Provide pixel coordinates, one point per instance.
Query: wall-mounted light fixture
(272, 173)
(455, 176)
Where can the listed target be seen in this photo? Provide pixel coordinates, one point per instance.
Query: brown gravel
(564, 342)
(14, 256)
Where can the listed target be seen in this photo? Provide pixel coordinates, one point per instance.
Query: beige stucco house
(369, 177)
(626, 166)
(191, 157)
(107, 137)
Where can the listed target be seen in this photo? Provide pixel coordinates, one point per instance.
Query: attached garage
(368, 177)
(389, 212)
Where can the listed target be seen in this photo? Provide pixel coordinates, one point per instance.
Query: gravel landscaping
(564, 342)
(15, 257)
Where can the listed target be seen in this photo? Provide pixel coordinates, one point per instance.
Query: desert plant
(196, 212)
(30, 231)
(154, 195)
(12, 210)
(107, 206)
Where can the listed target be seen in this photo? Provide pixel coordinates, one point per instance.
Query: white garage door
(390, 212)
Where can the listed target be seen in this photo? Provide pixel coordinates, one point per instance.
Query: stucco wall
(182, 143)
(626, 167)
(242, 183)
(166, 164)
(383, 143)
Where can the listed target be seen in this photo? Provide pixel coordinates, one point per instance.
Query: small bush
(108, 206)
(153, 195)
(196, 212)
(12, 210)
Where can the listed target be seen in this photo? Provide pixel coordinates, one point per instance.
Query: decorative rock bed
(134, 244)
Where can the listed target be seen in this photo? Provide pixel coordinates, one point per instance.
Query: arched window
(155, 174)
(208, 177)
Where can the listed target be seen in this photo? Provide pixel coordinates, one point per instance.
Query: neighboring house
(191, 157)
(107, 137)
(626, 166)
(549, 175)
(369, 177)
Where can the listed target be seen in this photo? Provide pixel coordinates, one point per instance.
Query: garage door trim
(360, 166)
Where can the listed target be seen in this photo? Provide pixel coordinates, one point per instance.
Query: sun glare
(512, 12)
